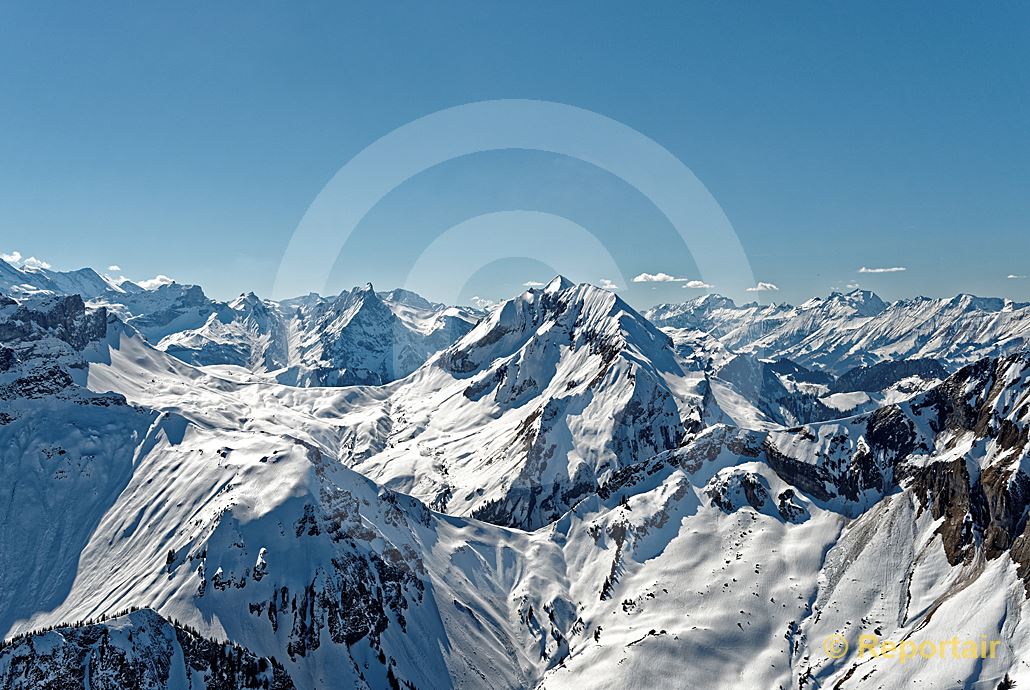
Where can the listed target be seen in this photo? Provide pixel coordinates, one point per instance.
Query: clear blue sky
(188, 139)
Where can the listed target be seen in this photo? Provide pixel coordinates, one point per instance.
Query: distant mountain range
(844, 331)
(357, 337)
(374, 491)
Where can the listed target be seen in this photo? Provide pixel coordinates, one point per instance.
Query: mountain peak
(407, 298)
(712, 301)
(557, 284)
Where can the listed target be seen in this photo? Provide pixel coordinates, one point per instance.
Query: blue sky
(189, 139)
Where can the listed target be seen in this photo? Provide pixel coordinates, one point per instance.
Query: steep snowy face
(522, 417)
(363, 338)
(66, 450)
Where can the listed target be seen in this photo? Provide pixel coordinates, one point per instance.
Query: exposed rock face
(985, 407)
(882, 375)
(139, 650)
(7, 358)
(62, 317)
(42, 340)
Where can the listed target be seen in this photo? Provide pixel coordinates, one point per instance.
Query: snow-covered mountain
(553, 392)
(562, 496)
(85, 282)
(357, 337)
(249, 332)
(240, 529)
(844, 331)
(361, 337)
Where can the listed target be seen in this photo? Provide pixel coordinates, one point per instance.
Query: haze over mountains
(372, 490)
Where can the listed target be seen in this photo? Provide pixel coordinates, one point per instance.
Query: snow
(561, 496)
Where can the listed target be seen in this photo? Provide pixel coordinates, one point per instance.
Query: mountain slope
(547, 396)
(652, 518)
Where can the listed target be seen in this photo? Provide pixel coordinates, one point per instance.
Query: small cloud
(763, 287)
(29, 262)
(533, 284)
(853, 286)
(608, 285)
(1013, 276)
(657, 278)
(155, 282)
(666, 278)
(114, 268)
(892, 269)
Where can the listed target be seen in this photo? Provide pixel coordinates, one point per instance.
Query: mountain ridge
(565, 492)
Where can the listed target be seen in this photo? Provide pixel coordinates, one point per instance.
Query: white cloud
(697, 285)
(114, 267)
(1013, 276)
(533, 284)
(664, 278)
(892, 269)
(608, 285)
(853, 286)
(29, 262)
(155, 282)
(763, 287)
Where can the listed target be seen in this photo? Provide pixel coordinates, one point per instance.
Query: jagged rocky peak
(349, 303)
(247, 300)
(561, 311)
(570, 383)
(261, 314)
